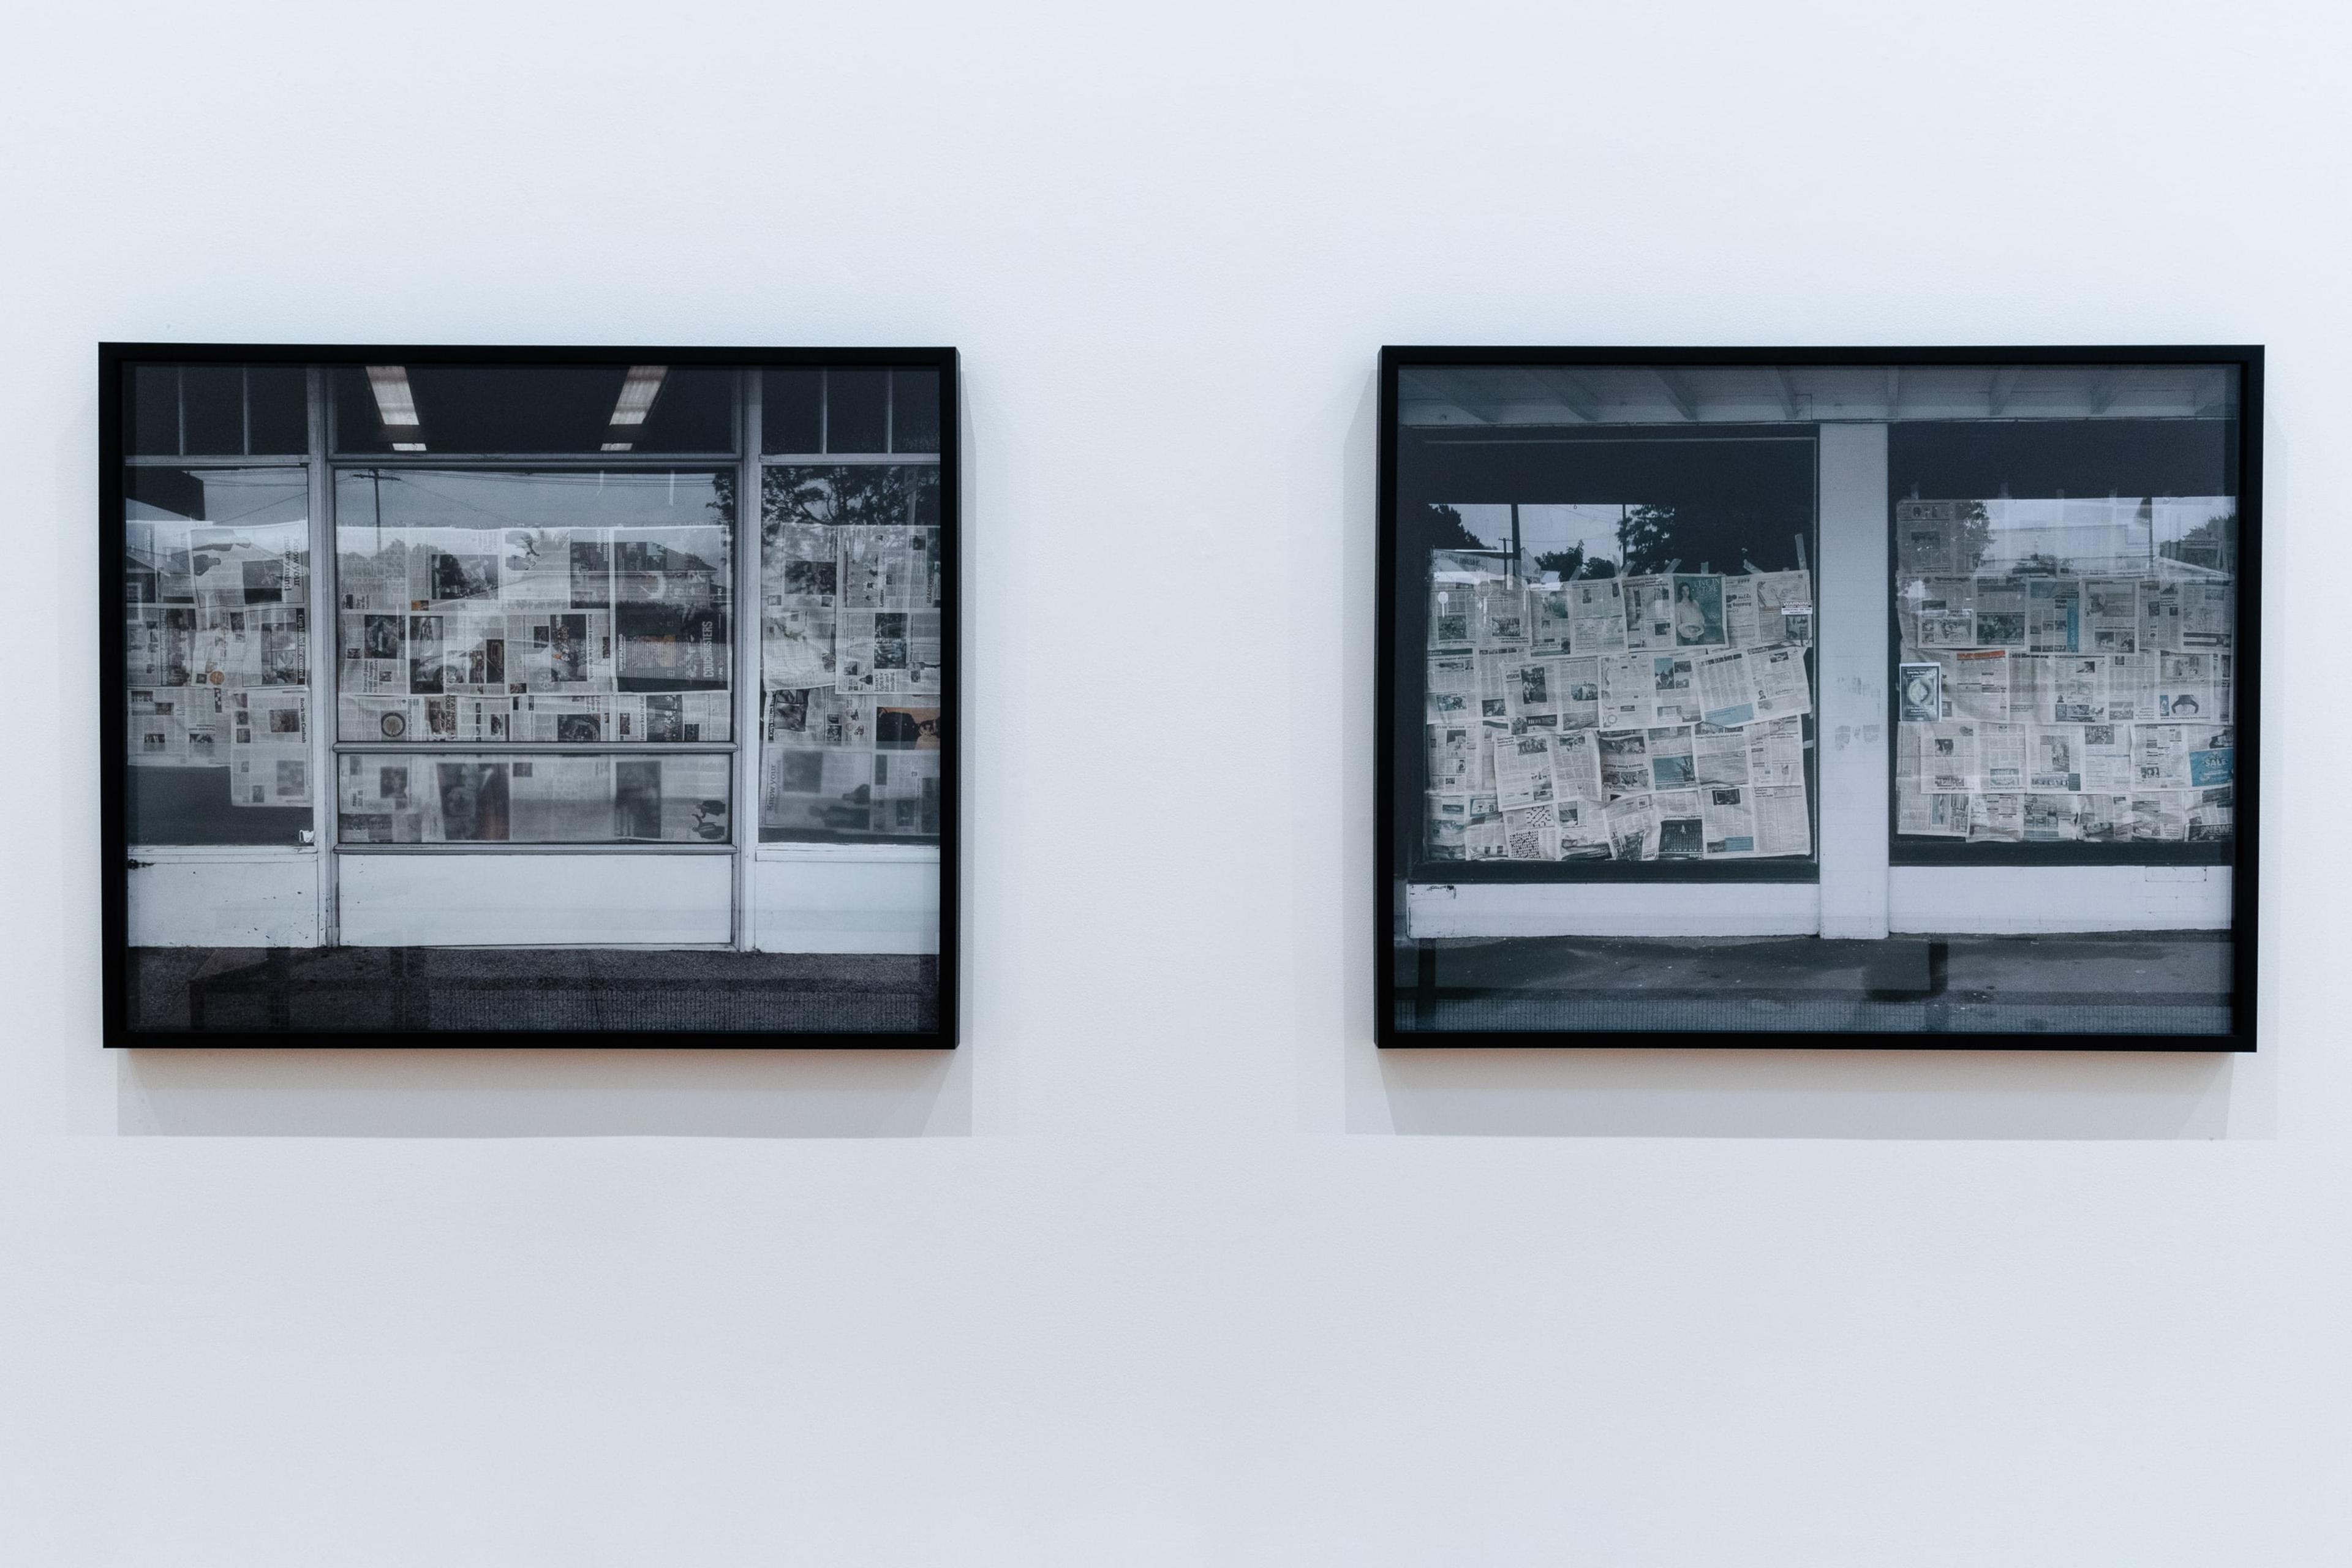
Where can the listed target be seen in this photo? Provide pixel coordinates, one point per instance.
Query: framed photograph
(513, 696)
(1825, 697)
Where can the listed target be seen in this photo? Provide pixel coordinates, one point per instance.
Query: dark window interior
(538, 409)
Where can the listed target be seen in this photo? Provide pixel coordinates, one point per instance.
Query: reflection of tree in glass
(721, 503)
(1568, 563)
(1976, 536)
(888, 494)
(899, 494)
(2212, 542)
(1716, 535)
(537, 549)
(1439, 528)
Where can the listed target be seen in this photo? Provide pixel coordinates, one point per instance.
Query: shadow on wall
(1676, 1093)
(540, 1093)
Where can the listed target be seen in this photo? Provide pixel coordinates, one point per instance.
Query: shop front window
(217, 611)
(2067, 603)
(1618, 680)
(496, 607)
(851, 597)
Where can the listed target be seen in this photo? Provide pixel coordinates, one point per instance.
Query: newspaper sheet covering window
(854, 660)
(408, 797)
(1608, 714)
(2063, 667)
(216, 629)
(217, 638)
(614, 635)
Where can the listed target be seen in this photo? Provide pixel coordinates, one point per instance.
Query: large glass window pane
(530, 409)
(2066, 598)
(388, 797)
(852, 656)
(217, 627)
(514, 605)
(1614, 665)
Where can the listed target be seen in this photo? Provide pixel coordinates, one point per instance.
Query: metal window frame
(323, 463)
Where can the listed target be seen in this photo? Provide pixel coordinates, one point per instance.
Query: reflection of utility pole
(1514, 540)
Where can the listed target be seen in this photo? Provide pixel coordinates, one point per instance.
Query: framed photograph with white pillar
(514, 696)
(1850, 697)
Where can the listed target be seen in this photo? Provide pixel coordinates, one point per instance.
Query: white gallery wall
(1168, 1266)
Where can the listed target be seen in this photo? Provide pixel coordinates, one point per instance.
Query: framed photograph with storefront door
(466, 695)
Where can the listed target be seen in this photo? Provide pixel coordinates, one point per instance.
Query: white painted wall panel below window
(847, 897)
(1614, 909)
(224, 898)
(2024, 899)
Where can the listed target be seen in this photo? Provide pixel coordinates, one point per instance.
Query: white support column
(1854, 734)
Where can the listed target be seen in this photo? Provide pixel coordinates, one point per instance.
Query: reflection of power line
(281, 499)
(411, 481)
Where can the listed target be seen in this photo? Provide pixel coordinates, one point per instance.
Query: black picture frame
(114, 360)
(1396, 758)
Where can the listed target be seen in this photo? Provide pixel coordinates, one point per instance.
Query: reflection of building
(2140, 535)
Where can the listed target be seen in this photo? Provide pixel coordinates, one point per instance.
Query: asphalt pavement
(423, 988)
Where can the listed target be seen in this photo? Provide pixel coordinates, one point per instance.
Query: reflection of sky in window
(413, 498)
(378, 509)
(1546, 529)
(2095, 533)
(2091, 533)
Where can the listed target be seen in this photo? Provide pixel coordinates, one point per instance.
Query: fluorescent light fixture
(393, 399)
(395, 405)
(643, 384)
(616, 446)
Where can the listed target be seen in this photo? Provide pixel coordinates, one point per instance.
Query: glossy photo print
(530, 696)
(1859, 697)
